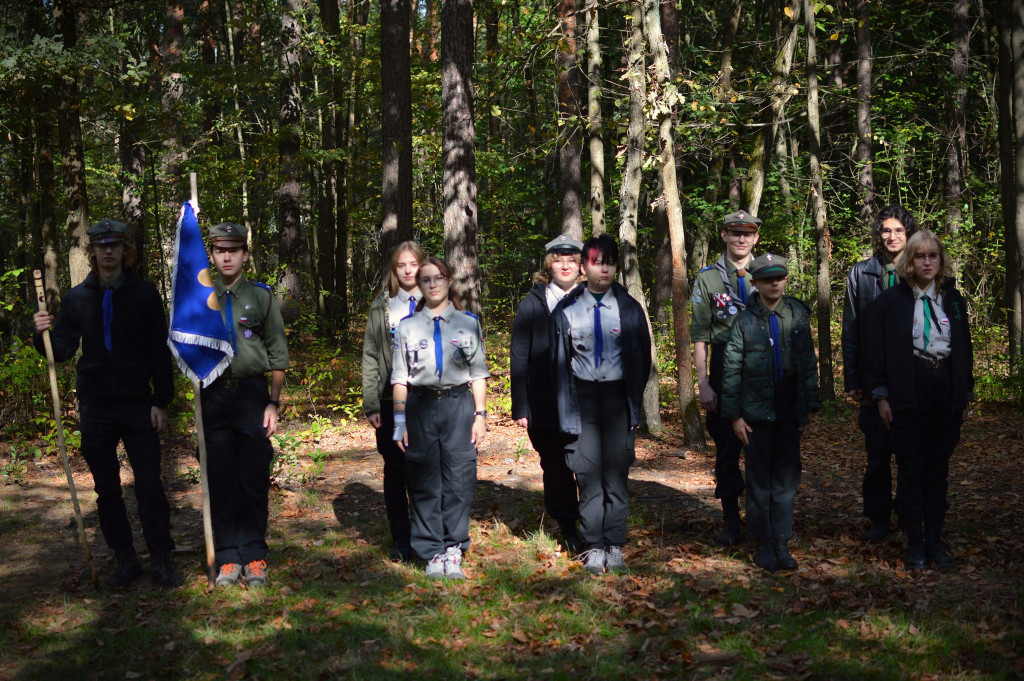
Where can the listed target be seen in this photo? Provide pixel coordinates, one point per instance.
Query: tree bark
(956, 150)
(594, 119)
(396, 126)
(1012, 264)
(1017, 40)
(780, 91)
(458, 151)
(825, 373)
(133, 170)
(47, 217)
(327, 214)
(173, 90)
(569, 138)
(76, 195)
(865, 148)
(289, 192)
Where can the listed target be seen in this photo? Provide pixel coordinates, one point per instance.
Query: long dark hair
(894, 211)
(446, 272)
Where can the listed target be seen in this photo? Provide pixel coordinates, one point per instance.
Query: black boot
(731, 533)
(782, 554)
(401, 545)
(878, 531)
(764, 555)
(571, 539)
(128, 569)
(915, 559)
(164, 571)
(933, 549)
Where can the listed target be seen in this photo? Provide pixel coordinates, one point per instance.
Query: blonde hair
(413, 248)
(905, 260)
(543, 275)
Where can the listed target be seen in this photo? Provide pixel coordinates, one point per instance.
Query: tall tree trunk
(693, 430)
(239, 134)
(47, 217)
(1017, 37)
(594, 119)
(825, 372)
(396, 126)
(780, 92)
(173, 90)
(327, 215)
(76, 195)
(458, 151)
(956, 169)
(1012, 264)
(288, 195)
(636, 79)
(569, 139)
(430, 26)
(133, 172)
(865, 148)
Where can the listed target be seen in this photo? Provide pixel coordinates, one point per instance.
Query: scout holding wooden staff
(124, 386)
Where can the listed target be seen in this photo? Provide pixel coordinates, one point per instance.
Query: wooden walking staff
(41, 298)
(204, 480)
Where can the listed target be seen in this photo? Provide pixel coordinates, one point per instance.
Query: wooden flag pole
(204, 480)
(59, 423)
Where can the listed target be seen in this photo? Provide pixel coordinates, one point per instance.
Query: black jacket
(891, 357)
(636, 358)
(533, 387)
(139, 353)
(863, 287)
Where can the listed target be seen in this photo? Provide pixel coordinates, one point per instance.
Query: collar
(405, 296)
(93, 280)
(445, 315)
(930, 291)
(557, 291)
(731, 266)
(590, 302)
(221, 289)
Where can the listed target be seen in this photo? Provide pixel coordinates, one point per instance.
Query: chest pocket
(415, 354)
(251, 323)
(464, 348)
(583, 340)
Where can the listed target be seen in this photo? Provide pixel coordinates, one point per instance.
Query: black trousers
(103, 426)
(561, 500)
(600, 457)
(924, 440)
(877, 486)
(440, 471)
(728, 476)
(238, 457)
(773, 468)
(396, 497)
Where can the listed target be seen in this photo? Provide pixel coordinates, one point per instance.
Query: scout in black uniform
(922, 374)
(439, 382)
(533, 389)
(769, 389)
(389, 308)
(865, 283)
(239, 415)
(124, 386)
(720, 292)
(601, 354)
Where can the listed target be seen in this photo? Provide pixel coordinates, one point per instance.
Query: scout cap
(227, 232)
(743, 221)
(107, 231)
(563, 243)
(768, 265)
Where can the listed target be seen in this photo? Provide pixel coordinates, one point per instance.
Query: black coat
(863, 287)
(533, 386)
(636, 358)
(139, 353)
(891, 357)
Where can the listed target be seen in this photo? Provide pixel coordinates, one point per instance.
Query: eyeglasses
(565, 261)
(430, 281)
(109, 246)
(740, 236)
(927, 257)
(899, 231)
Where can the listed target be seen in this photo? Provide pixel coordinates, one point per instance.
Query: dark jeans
(773, 468)
(440, 471)
(728, 476)
(877, 486)
(560, 498)
(600, 457)
(103, 426)
(238, 456)
(924, 440)
(396, 498)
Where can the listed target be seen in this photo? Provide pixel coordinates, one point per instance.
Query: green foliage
(13, 470)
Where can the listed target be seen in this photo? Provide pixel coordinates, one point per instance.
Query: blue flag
(198, 337)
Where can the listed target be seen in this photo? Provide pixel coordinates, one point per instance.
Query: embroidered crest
(247, 333)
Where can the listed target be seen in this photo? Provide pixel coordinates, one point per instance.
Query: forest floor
(337, 607)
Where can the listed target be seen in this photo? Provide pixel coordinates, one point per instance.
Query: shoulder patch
(264, 287)
(471, 315)
(706, 268)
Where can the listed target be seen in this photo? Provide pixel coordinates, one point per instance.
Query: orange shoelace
(258, 568)
(228, 568)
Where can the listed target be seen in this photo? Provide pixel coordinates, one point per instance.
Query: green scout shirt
(259, 337)
(714, 304)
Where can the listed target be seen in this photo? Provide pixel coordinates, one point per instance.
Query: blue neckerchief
(741, 285)
(412, 305)
(773, 322)
(108, 317)
(598, 336)
(438, 349)
(231, 321)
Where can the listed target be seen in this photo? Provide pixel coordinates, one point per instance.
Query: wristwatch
(482, 412)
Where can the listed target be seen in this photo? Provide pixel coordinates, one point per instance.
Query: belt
(439, 393)
(930, 362)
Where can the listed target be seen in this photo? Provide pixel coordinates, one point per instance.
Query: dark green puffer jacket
(748, 386)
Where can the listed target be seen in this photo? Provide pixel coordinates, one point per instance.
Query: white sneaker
(435, 567)
(593, 561)
(453, 563)
(615, 562)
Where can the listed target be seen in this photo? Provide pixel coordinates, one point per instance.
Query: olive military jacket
(377, 349)
(258, 329)
(715, 302)
(748, 383)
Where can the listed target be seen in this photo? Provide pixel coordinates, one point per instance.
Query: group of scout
(124, 384)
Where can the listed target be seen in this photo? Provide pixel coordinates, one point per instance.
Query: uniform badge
(721, 314)
(696, 296)
(732, 310)
(247, 333)
(423, 344)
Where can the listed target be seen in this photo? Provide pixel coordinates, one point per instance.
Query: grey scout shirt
(400, 306)
(580, 315)
(462, 350)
